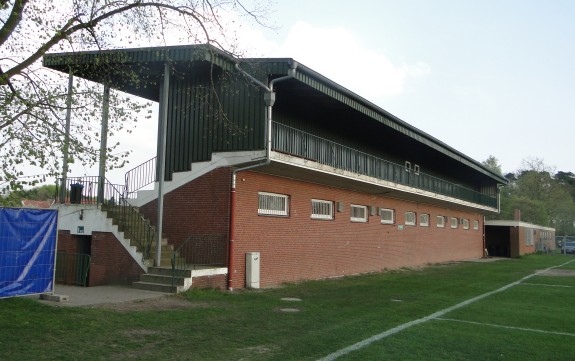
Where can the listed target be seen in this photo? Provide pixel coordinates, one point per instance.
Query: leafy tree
(492, 164)
(543, 197)
(567, 180)
(33, 99)
(45, 192)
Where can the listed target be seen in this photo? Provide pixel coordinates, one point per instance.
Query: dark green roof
(146, 67)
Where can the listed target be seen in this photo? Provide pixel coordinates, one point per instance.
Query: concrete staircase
(159, 279)
(165, 256)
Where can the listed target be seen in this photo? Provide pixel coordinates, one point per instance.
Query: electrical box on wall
(253, 270)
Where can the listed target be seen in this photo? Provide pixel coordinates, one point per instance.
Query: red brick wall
(68, 243)
(111, 263)
(66, 265)
(296, 247)
(215, 282)
(515, 237)
(198, 207)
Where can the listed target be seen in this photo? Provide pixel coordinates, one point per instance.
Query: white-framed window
(440, 220)
(465, 223)
(528, 237)
(387, 215)
(321, 209)
(424, 220)
(410, 218)
(454, 222)
(358, 213)
(273, 204)
(476, 225)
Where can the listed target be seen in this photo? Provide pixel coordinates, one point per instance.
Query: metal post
(103, 143)
(162, 159)
(66, 148)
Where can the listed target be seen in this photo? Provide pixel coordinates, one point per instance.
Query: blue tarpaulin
(27, 251)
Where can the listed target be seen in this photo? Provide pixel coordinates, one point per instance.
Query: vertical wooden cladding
(239, 122)
(188, 128)
(208, 111)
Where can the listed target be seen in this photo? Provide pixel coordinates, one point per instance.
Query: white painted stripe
(544, 285)
(393, 331)
(508, 327)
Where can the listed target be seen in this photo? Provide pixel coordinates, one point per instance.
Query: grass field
(532, 320)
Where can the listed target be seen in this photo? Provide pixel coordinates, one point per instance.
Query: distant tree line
(42, 193)
(543, 196)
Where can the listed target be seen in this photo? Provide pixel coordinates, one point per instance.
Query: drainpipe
(485, 253)
(269, 99)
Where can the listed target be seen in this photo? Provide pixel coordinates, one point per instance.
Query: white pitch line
(544, 285)
(393, 331)
(507, 327)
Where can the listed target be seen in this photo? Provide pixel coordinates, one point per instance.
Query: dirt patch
(557, 273)
(248, 353)
(140, 333)
(153, 304)
(289, 310)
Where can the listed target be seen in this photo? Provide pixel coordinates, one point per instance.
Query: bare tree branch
(13, 19)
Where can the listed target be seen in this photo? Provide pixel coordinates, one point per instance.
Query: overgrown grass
(250, 325)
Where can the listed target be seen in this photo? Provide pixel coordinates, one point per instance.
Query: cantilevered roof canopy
(140, 71)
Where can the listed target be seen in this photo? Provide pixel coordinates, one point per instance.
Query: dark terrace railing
(84, 190)
(72, 268)
(304, 145)
(199, 250)
(139, 177)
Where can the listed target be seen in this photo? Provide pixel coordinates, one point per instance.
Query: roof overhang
(139, 72)
(511, 223)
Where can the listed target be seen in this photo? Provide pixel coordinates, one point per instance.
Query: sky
(486, 77)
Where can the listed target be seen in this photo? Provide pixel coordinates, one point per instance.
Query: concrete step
(166, 257)
(156, 287)
(167, 271)
(161, 279)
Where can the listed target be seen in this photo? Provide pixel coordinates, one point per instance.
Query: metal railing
(135, 227)
(199, 250)
(139, 177)
(72, 268)
(308, 146)
(83, 190)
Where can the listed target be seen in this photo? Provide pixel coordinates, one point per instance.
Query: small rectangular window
(440, 221)
(273, 204)
(387, 216)
(358, 213)
(424, 220)
(465, 223)
(410, 218)
(475, 225)
(528, 237)
(321, 209)
(454, 222)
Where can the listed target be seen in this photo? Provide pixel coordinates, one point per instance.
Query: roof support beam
(164, 96)
(66, 148)
(103, 143)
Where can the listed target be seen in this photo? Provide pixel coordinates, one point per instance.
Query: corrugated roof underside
(263, 69)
